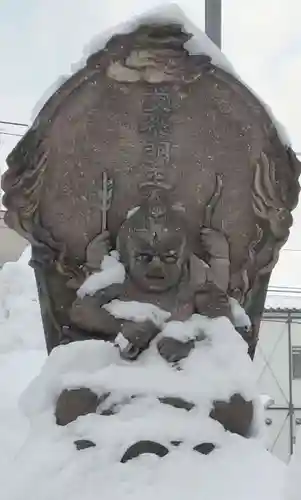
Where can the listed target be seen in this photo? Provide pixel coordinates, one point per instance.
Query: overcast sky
(39, 40)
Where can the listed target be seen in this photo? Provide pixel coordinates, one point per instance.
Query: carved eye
(144, 257)
(170, 257)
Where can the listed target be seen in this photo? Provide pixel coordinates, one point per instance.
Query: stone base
(236, 415)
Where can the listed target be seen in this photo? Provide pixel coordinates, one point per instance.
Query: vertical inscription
(155, 130)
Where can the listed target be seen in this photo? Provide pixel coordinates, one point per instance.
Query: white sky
(262, 38)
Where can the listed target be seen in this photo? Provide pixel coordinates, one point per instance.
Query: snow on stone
(220, 362)
(122, 342)
(240, 317)
(112, 271)
(137, 311)
(200, 43)
(49, 466)
(38, 459)
(131, 212)
(191, 329)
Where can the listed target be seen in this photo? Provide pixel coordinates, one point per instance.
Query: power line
(291, 250)
(10, 133)
(16, 124)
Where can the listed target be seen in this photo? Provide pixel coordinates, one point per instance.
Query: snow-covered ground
(22, 351)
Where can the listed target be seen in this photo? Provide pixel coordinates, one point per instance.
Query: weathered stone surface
(236, 415)
(143, 112)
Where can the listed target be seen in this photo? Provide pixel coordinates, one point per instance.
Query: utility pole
(213, 21)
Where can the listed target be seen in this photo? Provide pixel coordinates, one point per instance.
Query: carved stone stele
(144, 110)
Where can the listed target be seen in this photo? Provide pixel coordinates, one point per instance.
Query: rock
(73, 403)
(205, 448)
(235, 415)
(83, 444)
(143, 447)
(177, 402)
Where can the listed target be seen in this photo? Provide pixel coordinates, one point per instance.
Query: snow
(240, 318)
(192, 329)
(292, 486)
(266, 400)
(19, 299)
(112, 271)
(22, 352)
(48, 466)
(137, 311)
(283, 299)
(42, 456)
(97, 365)
(132, 212)
(200, 43)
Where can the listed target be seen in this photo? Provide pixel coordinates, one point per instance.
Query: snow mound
(200, 43)
(22, 352)
(217, 368)
(43, 457)
(49, 465)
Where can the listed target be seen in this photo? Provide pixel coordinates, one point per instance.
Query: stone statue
(143, 112)
(173, 163)
(161, 269)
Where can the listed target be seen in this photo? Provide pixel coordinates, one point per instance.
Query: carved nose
(155, 270)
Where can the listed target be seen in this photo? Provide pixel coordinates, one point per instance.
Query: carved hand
(215, 243)
(110, 293)
(139, 334)
(174, 350)
(97, 249)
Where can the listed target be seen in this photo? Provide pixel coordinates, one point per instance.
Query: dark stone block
(73, 403)
(144, 447)
(83, 444)
(205, 448)
(176, 443)
(235, 415)
(177, 402)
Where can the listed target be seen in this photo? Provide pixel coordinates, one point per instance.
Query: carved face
(154, 248)
(156, 262)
